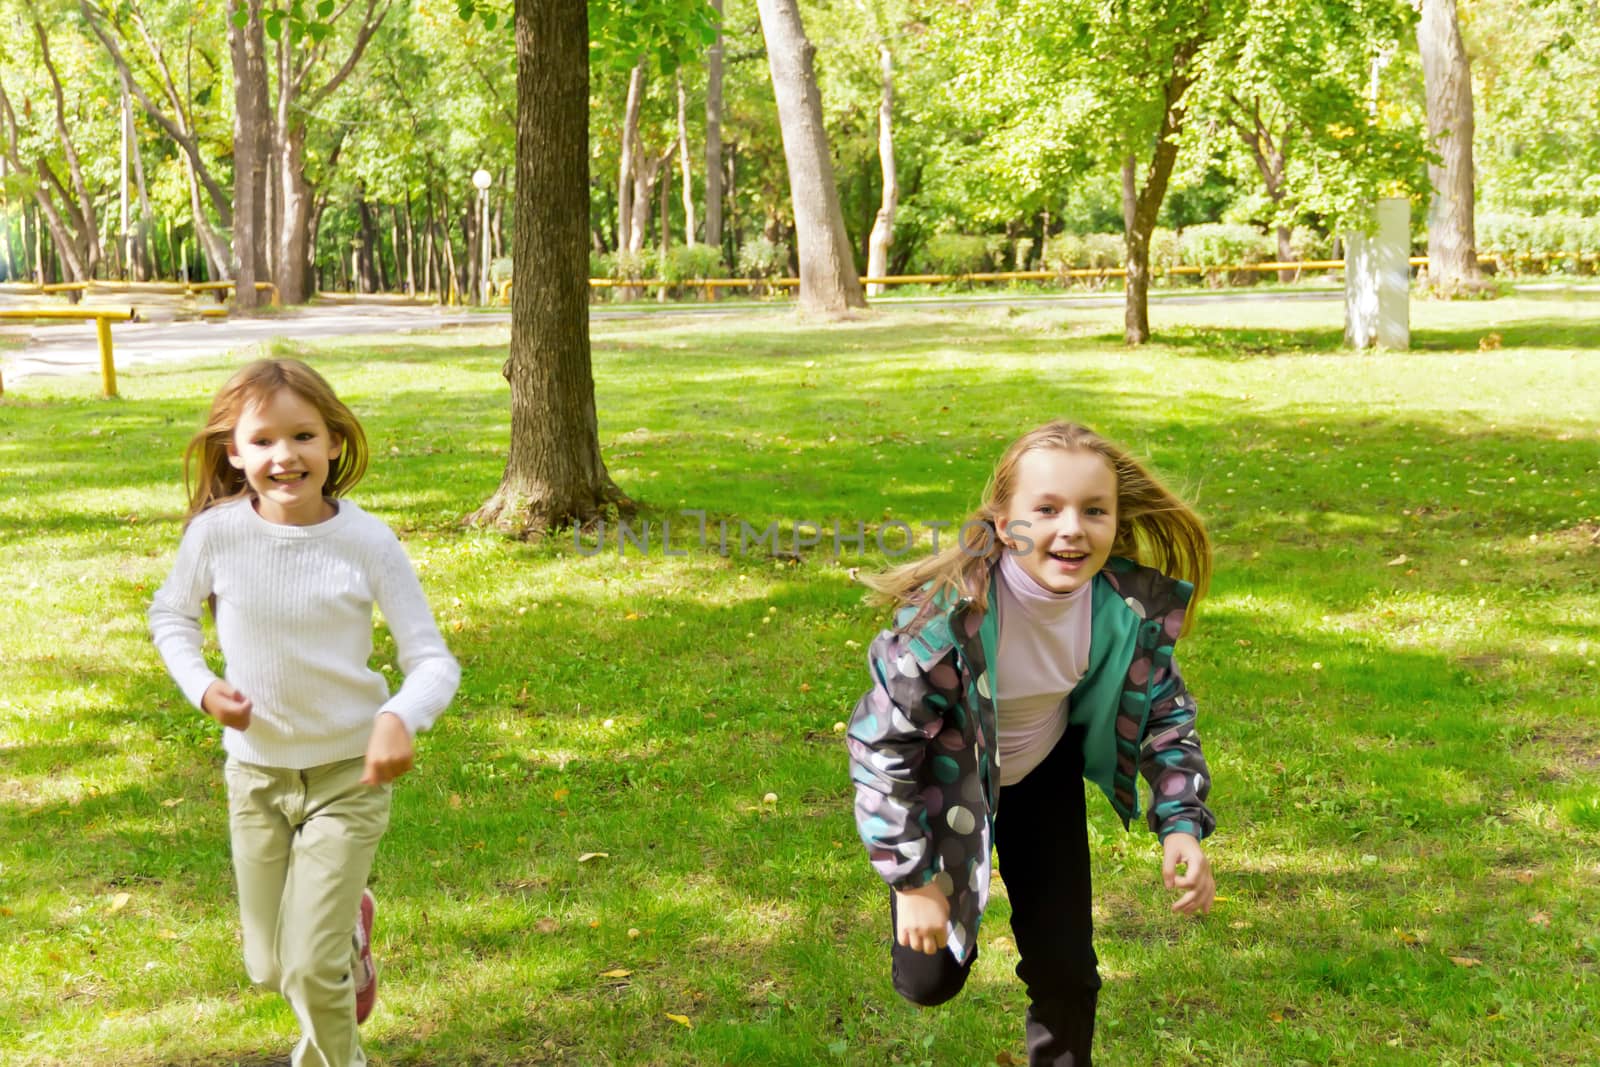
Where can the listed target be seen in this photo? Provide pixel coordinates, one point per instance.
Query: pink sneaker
(366, 975)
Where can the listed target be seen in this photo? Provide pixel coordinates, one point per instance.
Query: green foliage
(1542, 244)
(623, 265)
(760, 257)
(957, 253)
(1089, 251)
(685, 263)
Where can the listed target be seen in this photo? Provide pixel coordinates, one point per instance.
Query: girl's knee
(928, 981)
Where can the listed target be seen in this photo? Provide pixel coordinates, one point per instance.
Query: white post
(1394, 273)
(481, 179)
(1377, 279)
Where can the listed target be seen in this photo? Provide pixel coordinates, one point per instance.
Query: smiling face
(1065, 503)
(284, 447)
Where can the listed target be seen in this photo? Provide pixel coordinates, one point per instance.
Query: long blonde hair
(1154, 527)
(209, 479)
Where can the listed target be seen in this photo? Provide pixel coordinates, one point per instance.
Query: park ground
(1396, 672)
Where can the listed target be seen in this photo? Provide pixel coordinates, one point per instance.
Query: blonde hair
(1154, 528)
(215, 480)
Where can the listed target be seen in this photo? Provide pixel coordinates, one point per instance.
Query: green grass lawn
(1396, 672)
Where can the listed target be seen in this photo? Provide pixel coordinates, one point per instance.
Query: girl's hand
(922, 918)
(226, 704)
(1184, 850)
(389, 751)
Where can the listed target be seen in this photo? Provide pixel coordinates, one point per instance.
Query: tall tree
(252, 146)
(883, 223)
(828, 278)
(714, 134)
(554, 474)
(1447, 80)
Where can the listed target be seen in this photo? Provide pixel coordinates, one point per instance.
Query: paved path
(70, 348)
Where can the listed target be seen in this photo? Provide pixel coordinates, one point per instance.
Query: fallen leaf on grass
(1006, 1059)
(1398, 561)
(120, 901)
(1539, 918)
(172, 802)
(546, 926)
(1466, 961)
(587, 856)
(561, 794)
(681, 1020)
(615, 973)
(1406, 937)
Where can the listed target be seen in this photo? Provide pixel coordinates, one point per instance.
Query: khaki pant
(303, 843)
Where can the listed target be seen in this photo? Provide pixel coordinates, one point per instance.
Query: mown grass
(1397, 676)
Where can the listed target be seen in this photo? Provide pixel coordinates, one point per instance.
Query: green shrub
(1539, 244)
(686, 263)
(623, 266)
(1083, 251)
(761, 258)
(1222, 244)
(959, 253)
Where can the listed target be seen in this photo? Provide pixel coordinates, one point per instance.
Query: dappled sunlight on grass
(1403, 745)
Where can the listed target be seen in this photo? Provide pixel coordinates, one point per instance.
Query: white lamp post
(481, 178)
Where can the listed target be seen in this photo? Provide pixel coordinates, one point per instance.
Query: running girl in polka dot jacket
(1036, 651)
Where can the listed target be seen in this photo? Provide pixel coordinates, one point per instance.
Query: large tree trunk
(554, 474)
(293, 259)
(370, 248)
(883, 225)
(1452, 253)
(828, 278)
(714, 136)
(1141, 205)
(252, 142)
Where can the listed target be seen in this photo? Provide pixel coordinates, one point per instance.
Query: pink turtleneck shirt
(1043, 652)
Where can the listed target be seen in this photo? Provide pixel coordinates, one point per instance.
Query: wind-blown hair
(1154, 528)
(209, 479)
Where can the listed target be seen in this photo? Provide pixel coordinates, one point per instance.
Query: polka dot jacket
(922, 741)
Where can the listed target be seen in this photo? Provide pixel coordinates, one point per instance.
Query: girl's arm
(1171, 761)
(431, 672)
(174, 615)
(888, 740)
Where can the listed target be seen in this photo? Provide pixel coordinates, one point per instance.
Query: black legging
(1043, 846)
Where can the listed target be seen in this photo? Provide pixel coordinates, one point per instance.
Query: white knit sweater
(294, 619)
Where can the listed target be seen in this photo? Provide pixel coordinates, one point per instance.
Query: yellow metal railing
(103, 318)
(98, 286)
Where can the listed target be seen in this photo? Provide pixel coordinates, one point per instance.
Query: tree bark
(828, 278)
(714, 136)
(883, 225)
(630, 148)
(371, 247)
(554, 474)
(1447, 81)
(1141, 205)
(252, 141)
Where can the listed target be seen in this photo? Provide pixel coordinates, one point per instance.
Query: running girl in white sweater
(313, 736)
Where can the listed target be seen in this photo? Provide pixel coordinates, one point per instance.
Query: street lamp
(481, 178)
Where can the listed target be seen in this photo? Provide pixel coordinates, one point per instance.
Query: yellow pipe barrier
(170, 288)
(102, 325)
